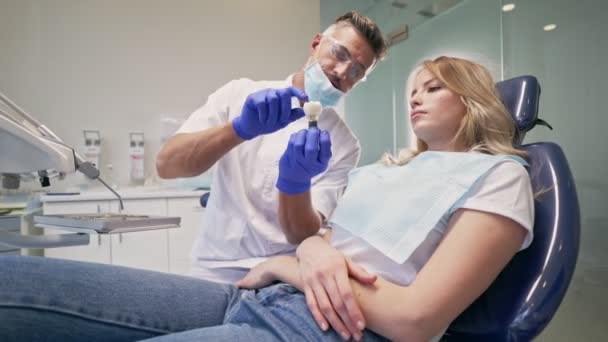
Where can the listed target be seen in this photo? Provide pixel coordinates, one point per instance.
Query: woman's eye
(433, 89)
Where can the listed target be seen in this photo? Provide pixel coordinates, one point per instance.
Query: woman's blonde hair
(487, 126)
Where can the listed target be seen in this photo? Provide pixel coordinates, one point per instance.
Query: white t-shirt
(241, 226)
(505, 191)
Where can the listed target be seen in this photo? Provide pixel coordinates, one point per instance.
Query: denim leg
(59, 300)
(281, 310)
(221, 333)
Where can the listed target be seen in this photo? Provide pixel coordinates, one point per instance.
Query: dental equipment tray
(107, 223)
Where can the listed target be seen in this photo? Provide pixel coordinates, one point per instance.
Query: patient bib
(393, 208)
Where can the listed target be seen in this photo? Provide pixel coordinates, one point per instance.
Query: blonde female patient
(414, 240)
(421, 277)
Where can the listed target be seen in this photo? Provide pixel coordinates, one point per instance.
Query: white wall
(118, 65)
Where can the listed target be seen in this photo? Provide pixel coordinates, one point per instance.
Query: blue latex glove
(267, 111)
(306, 156)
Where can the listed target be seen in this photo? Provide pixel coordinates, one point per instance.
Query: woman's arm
(477, 246)
(325, 273)
(322, 274)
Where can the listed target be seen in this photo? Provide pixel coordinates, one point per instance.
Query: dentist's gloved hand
(267, 111)
(306, 156)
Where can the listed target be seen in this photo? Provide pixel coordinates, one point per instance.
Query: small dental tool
(312, 110)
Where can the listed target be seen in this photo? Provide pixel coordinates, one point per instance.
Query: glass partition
(567, 60)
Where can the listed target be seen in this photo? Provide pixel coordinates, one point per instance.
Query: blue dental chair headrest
(526, 294)
(520, 95)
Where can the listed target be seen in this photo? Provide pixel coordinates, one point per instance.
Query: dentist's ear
(315, 43)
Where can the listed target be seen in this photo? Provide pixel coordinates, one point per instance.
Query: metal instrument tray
(107, 222)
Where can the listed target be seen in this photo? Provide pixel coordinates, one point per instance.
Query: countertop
(126, 193)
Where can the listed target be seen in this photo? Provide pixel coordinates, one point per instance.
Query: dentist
(266, 199)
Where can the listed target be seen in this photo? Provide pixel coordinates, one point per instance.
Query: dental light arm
(29, 149)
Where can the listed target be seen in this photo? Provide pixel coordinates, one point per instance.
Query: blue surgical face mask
(318, 87)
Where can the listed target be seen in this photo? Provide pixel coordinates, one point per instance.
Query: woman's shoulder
(508, 169)
(505, 190)
(507, 182)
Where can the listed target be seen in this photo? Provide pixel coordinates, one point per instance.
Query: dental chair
(527, 293)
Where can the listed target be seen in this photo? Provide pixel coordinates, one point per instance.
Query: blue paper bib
(393, 208)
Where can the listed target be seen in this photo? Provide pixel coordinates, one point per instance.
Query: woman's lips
(417, 113)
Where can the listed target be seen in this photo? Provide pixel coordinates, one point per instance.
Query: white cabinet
(11, 224)
(181, 240)
(164, 250)
(19, 222)
(98, 250)
(145, 249)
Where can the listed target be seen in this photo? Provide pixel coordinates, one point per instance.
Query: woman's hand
(325, 272)
(265, 273)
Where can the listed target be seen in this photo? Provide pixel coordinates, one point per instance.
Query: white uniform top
(505, 191)
(241, 226)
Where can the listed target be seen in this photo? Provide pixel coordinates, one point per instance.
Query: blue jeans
(44, 299)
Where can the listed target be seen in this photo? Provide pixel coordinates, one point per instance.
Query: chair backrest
(204, 199)
(523, 299)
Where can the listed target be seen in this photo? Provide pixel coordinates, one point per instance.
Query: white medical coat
(241, 226)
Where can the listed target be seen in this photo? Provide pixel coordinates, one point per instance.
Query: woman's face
(435, 112)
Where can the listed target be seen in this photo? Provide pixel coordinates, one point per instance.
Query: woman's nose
(415, 101)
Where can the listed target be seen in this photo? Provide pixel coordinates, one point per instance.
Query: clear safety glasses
(356, 72)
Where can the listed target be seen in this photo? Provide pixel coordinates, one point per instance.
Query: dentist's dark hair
(367, 28)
